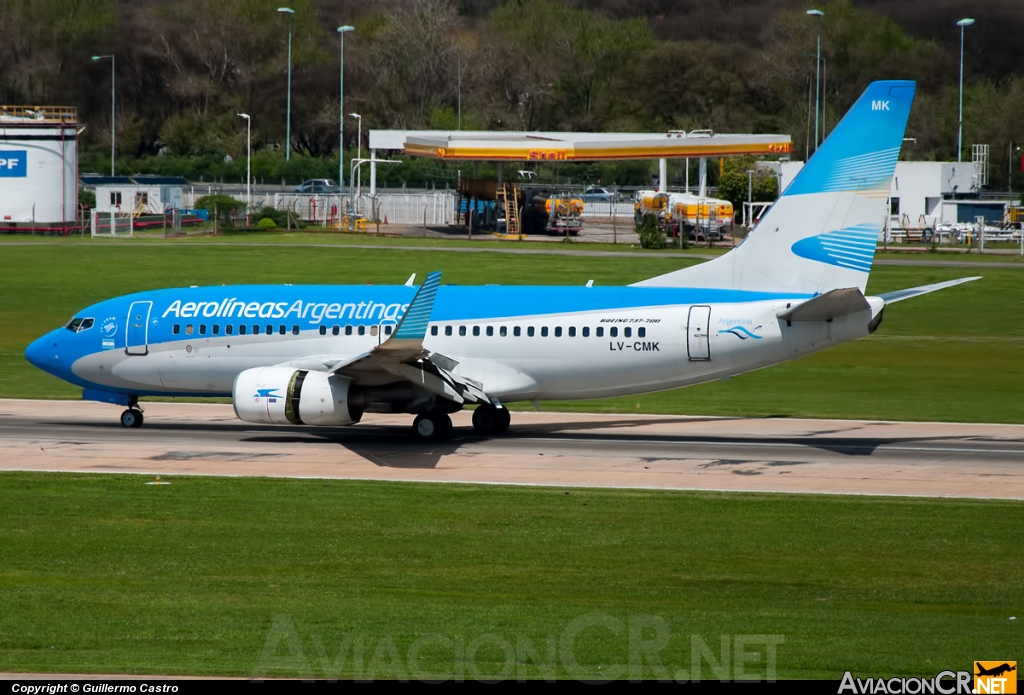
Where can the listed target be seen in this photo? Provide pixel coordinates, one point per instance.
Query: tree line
(185, 68)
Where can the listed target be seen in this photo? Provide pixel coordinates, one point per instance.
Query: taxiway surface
(638, 451)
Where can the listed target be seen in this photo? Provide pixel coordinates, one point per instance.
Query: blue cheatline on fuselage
(311, 305)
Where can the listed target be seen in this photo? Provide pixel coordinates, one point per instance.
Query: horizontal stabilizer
(828, 306)
(900, 295)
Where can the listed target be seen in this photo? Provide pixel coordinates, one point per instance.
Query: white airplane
(326, 354)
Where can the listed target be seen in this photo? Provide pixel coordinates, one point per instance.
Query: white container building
(38, 167)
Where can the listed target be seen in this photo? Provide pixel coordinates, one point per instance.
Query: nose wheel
(432, 427)
(131, 418)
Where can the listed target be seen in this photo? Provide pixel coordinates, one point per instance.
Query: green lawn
(956, 355)
(107, 574)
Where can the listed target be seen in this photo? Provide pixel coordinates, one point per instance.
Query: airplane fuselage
(521, 343)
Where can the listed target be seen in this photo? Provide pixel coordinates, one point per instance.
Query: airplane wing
(403, 356)
(900, 295)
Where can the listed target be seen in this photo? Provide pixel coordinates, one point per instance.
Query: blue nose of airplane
(44, 352)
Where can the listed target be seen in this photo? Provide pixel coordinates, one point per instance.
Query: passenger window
(543, 331)
(447, 330)
(641, 332)
(490, 331)
(503, 331)
(572, 331)
(295, 330)
(215, 330)
(433, 330)
(387, 329)
(374, 330)
(229, 329)
(362, 330)
(517, 331)
(241, 329)
(188, 329)
(558, 331)
(323, 330)
(282, 329)
(462, 330)
(335, 330)
(613, 332)
(270, 330)
(627, 332)
(600, 331)
(348, 330)
(176, 329)
(255, 329)
(202, 329)
(529, 332)
(476, 330)
(586, 331)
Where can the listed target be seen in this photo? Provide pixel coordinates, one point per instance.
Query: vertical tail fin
(820, 235)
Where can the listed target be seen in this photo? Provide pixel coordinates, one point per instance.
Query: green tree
(37, 38)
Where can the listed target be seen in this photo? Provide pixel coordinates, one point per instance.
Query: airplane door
(137, 338)
(697, 330)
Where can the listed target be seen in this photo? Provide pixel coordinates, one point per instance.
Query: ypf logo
(995, 677)
(13, 163)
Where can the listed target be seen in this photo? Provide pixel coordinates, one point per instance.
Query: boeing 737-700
(326, 354)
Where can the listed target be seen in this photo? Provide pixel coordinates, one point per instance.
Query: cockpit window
(77, 325)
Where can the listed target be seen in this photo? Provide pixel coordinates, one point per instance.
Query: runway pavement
(640, 451)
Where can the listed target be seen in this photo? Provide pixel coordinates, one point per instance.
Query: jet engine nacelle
(283, 396)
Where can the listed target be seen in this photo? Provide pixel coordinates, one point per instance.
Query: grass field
(107, 574)
(957, 355)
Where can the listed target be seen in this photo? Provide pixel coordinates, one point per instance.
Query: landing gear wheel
(131, 418)
(487, 419)
(504, 420)
(432, 427)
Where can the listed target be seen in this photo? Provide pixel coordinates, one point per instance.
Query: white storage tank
(38, 167)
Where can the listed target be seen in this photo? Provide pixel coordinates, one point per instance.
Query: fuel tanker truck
(700, 218)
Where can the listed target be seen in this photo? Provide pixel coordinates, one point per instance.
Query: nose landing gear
(132, 417)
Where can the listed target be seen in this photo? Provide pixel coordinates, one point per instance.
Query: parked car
(594, 194)
(318, 186)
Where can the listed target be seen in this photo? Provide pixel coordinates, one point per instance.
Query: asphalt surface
(641, 451)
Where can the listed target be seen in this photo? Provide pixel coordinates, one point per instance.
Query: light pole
(248, 160)
(817, 76)
(341, 108)
(963, 24)
(112, 103)
(359, 149)
(288, 126)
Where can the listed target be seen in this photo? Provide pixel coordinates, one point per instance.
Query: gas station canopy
(567, 147)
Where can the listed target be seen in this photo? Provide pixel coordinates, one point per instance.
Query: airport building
(929, 195)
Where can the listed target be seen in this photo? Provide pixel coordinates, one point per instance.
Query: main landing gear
(437, 426)
(432, 427)
(488, 419)
(132, 417)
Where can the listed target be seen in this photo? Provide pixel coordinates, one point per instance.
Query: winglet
(413, 325)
